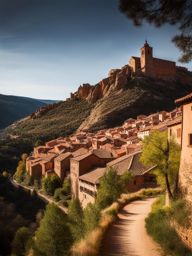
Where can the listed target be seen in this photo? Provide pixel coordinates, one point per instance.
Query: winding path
(128, 236)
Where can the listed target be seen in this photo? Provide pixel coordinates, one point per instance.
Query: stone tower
(147, 59)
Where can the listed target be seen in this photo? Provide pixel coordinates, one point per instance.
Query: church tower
(147, 59)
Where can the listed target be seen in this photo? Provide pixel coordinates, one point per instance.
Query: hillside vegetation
(14, 108)
(139, 95)
(62, 120)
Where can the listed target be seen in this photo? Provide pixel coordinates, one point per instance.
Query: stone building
(84, 164)
(62, 165)
(89, 182)
(175, 129)
(152, 67)
(185, 172)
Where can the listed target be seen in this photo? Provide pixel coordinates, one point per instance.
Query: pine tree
(53, 238)
(20, 241)
(75, 214)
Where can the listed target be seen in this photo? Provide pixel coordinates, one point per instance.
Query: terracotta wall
(86, 193)
(175, 132)
(36, 172)
(134, 64)
(62, 168)
(163, 68)
(185, 172)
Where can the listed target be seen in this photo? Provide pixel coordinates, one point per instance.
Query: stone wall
(185, 234)
(164, 69)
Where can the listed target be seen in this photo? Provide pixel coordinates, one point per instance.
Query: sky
(50, 47)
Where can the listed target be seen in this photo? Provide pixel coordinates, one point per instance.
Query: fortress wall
(164, 68)
(134, 63)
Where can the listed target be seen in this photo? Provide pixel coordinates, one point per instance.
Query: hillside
(107, 104)
(14, 108)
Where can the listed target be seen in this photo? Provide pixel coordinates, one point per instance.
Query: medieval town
(95, 128)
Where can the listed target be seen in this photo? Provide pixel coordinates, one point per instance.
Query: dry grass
(90, 245)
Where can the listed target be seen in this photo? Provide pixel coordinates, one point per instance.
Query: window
(190, 139)
(179, 133)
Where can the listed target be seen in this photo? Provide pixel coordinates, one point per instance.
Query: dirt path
(128, 236)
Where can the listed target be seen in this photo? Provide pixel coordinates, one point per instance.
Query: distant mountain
(13, 108)
(48, 101)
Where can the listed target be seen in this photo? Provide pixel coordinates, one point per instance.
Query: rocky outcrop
(117, 79)
(43, 110)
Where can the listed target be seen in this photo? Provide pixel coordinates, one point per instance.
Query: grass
(90, 245)
(159, 226)
(181, 213)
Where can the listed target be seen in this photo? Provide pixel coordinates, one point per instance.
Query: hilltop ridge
(125, 93)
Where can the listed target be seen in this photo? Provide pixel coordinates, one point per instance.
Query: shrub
(159, 227)
(91, 217)
(50, 184)
(19, 245)
(64, 192)
(109, 190)
(181, 212)
(21, 169)
(27, 180)
(67, 186)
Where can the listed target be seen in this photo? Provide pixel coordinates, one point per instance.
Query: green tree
(91, 217)
(111, 187)
(67, 186)
(75, 214)
(50, 184)
(19, 245)
(27, 179)
(21, 169)
(159, 12)
(53, 237)
(165, 155)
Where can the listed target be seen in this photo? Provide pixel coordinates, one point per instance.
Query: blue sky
(49, 47)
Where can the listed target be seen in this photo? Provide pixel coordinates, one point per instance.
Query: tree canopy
(51, 183)
(19, 245)
(53, 238)
(165, 155)
(159, 12)
(21, 169)
(109, 191)
(75, 215)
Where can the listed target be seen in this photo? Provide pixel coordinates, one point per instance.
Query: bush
(50, 184)
(181, 212)
(19, 245)
(67, 187)
(91, 217)
(27, 180)
(64, 192)
(37, 185)
(109, 191)
(21, 169)
(158, 226)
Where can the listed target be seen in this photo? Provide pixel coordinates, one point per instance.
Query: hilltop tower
(147, 60)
